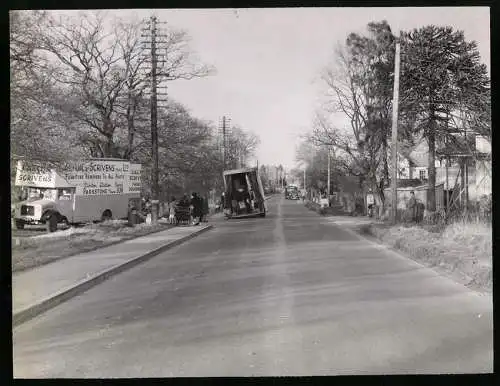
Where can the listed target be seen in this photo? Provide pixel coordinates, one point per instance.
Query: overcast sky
(268, 61)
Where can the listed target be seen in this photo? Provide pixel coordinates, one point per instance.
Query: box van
(244, 194)
(83, 191)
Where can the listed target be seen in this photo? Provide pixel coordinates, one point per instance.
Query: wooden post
(154, 127)
(328, 182)
(395, 106)
(446, 160)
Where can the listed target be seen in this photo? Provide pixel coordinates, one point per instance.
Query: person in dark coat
(197, 208)
(412, 207)
(205, 209)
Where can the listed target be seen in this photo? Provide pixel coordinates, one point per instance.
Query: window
(422, 174)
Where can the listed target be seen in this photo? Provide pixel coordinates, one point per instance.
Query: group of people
(196, 204)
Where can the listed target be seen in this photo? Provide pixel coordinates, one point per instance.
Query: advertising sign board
(34, 175)
(133, 184)
(98, 177)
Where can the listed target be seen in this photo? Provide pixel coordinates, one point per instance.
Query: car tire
(19, 224)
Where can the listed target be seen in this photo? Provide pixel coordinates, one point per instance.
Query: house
(413, 161)
(474, 152)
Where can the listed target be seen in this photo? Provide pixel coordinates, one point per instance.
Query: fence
(421, 192)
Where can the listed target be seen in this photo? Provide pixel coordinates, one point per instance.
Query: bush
(464, 247)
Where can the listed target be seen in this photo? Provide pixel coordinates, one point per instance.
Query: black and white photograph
(250, 192)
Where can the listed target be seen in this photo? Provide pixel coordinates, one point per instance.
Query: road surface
(289, 294)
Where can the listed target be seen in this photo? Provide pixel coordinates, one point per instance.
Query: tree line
(80, 88)
(444, 94)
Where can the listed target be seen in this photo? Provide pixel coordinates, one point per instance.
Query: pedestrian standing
(412, 207)
(196, 208)
(206, 209)
(370, 201)
(222, 201)
(171, 210)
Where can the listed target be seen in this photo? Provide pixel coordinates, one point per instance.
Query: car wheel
(19, 224)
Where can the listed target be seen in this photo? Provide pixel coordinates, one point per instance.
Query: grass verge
(46, 248)
(461, 250)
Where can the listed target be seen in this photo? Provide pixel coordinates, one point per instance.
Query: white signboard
(90, 177)
(98, 177)
(133, 184)
(34, 176)
(483, 145)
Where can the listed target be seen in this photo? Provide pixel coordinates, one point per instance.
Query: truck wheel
(19, 224)
(51, 223)
(106, 215)
(65, 222)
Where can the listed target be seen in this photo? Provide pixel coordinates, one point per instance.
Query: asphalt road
(290, 294)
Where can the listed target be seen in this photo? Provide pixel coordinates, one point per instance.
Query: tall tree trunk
(431, 169)
(109, 147)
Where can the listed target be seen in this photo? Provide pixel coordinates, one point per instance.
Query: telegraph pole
(223, 127)
(224, 142)
(328, 182)
(395, 107)
(154, 125)
(153, 45)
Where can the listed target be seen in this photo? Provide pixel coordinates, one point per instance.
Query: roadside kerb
(52, 301)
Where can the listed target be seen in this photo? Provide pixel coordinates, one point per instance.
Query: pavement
(36, 290)
(290, 294)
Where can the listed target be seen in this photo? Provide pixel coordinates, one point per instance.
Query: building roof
(239, 171)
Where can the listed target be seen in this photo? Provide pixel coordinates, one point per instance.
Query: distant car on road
(292, 192)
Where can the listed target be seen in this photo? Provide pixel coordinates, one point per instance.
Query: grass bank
(462, 250)
(35, 251)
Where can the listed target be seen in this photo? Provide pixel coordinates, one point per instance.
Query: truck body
(83, 191)
(244, 193)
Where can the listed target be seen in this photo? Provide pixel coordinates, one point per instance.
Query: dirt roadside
(31, 252)
(462, 252)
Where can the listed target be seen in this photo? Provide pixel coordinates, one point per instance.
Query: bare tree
(359, 88)
(106, 68)
(23, 44)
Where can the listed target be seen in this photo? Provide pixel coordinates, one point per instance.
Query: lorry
(243, 193)
(89, 190)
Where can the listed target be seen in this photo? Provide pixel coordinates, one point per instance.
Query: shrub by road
(463, 250)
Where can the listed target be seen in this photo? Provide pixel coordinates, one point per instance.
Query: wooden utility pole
(223, 125)
(154, 125)
(395, 107)
(153, 45)
(223, 142)
(328, 182)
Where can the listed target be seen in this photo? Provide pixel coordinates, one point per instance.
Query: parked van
(84, 191)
